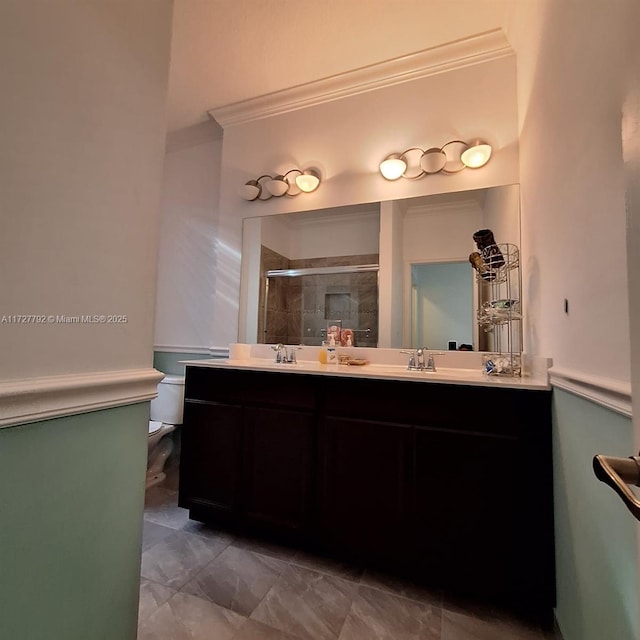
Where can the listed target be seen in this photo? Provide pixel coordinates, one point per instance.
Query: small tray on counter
(355, 362)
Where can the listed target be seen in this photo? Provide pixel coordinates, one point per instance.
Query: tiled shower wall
(299, 309)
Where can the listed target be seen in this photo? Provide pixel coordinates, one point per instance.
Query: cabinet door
(364, 497)
(465, 510)
(278, 468)
(211, 457)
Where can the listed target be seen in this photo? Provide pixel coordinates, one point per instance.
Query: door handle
(618, 473)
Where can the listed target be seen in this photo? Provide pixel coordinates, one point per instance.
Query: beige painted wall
(187, 247)
(81, 175)
(573, 76)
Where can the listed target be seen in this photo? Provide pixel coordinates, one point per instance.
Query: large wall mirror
(304, 274)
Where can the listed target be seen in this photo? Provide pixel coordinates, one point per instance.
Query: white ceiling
(225, 51)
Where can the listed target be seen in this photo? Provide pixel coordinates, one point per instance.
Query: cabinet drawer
(276, 389)
(502, 412)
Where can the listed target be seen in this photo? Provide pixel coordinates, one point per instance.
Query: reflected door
(441, 304)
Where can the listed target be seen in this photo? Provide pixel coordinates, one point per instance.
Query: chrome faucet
(417, 360)
(285, 355)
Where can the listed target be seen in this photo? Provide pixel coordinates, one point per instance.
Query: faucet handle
(412, 359)
(431, 363)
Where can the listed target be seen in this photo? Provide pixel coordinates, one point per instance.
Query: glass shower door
(300, 305)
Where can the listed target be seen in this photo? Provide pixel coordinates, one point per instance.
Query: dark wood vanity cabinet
(247, 450)
(449, 484)
(211, 449)
(278, 469)
(364, 487)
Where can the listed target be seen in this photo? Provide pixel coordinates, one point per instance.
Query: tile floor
(201, 584)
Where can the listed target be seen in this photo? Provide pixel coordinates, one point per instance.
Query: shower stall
(301, 305)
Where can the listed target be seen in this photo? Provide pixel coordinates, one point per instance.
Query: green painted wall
(596, 548)
(170, 362)
(71, 502)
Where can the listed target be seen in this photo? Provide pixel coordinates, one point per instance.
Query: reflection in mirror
(435, 231)
(316, 270)
(440, 307)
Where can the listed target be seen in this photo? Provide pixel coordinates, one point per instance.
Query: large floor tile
(459, 626)
(237, 579)
(161, 507)
(153, 533)
(384, 616)
(177, 558)
(265, 547)
(400, 587)
(202, 529)
(152, 596)
(185, 617)
(327, 564)
(308, 604)
(254, 630)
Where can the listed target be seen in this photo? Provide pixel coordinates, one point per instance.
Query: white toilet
(166, 414)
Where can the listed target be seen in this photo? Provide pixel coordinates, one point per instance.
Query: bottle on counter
(322, 354)
(332, 351)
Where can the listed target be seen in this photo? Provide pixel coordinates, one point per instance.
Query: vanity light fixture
(290, 183)
(450, 158)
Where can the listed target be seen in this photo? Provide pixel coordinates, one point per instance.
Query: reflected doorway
(441, 304)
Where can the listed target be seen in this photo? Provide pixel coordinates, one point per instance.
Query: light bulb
(308, 181)
(277, 186)
(477, 155)
(393, 166)
(250, 190)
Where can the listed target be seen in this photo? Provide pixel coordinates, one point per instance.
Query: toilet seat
(154, 427)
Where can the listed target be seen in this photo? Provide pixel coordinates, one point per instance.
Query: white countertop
(382, 371)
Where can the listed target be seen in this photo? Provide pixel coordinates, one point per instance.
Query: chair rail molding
(180, 348)
(610, 393)
(35, 399)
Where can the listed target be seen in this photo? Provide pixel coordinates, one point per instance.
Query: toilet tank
(167, 407)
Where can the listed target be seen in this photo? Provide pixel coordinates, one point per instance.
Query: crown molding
(193, 136)
(482, 47)
(34, 399)
(421, 210)
(607, 392)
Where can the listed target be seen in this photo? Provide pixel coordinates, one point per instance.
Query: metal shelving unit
(500, 309)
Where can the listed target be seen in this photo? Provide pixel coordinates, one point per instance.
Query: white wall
(347, 141)
(184, 316)
(498, 208)
(578, 65)
(80, 172)
(390, 280)
(433, 233)
(331, 232)
(572, 80)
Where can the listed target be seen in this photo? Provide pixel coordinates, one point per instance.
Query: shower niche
(301, 300)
